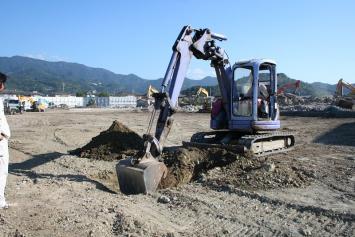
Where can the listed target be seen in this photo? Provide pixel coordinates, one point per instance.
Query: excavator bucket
(143, 177)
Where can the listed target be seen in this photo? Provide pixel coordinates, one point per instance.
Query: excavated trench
(218, 168)
(212, 167)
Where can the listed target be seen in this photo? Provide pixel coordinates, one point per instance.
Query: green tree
(103, 94)
(80, 94)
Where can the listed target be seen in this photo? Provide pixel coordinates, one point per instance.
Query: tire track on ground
(248, 214)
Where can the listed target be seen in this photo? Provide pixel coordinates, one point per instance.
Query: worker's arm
(4, 127)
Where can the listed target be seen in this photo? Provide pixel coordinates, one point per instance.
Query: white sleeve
(4, 127)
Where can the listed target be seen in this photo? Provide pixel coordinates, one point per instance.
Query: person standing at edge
(4, 150)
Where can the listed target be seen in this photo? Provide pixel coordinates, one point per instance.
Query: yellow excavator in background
(206, 103)
(32, 103)
(203, 91)
(26, 101)
(345, 101)
(150, 91)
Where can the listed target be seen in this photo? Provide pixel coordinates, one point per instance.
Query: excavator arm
(190, 42)
(142, 174)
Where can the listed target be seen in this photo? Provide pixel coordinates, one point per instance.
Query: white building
(8, 96)
(73, 101)
(70, 101)
(102, 101)
(116, 101)
(124, 101)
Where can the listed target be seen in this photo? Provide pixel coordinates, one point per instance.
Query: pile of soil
(218, 168)
(115, 143)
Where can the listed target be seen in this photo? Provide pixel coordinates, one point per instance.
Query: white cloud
(198, 73)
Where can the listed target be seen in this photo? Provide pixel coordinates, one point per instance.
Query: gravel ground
(309, 191)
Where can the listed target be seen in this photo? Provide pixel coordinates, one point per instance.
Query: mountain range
(29, 74)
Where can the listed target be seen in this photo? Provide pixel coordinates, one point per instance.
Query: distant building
(116, 101)
(70, 101)
(73, 101)
(8, 96)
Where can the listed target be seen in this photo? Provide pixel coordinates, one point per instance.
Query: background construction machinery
(345, 100)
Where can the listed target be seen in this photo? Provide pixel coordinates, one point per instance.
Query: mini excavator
(245, 119)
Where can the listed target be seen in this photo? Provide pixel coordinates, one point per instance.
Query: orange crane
(345, 101)
(296, 85)
(340, 88)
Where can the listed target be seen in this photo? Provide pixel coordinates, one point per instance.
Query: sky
(309, 40)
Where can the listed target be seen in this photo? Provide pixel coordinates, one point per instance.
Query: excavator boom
(143, 174)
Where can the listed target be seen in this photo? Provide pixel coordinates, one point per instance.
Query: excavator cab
(251, 116)
(254, 106)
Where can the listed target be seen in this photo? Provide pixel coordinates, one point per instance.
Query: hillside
(317, 89)
(28, 74)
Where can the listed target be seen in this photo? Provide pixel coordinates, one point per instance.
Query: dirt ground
(310, 191)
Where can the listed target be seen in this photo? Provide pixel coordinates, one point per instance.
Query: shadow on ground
(36, 160)
(25, 169)
(342, 135)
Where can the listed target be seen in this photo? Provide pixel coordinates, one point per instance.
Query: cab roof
(252, 62)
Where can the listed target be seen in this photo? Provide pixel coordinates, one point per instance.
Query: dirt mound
(217, 168)
(186, 164)
(113, 144)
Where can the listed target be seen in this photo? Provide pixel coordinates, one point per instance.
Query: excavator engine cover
(143, 177)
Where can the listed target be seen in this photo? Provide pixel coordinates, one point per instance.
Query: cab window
(243, 91)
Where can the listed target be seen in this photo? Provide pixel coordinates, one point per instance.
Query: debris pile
(293, 105)
(115, 143)
(287, 102)
(189, 108)
(287, 99)
(291, 102)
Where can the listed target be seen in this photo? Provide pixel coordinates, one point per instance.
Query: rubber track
(248, 140)
(245, 141)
